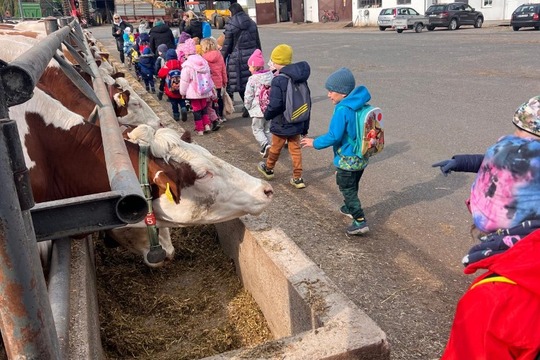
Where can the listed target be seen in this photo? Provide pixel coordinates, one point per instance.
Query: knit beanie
(341, 81)
(189, 47)
(159, 22)
(256, 59)
(171, 55)
(527, 116)
(127, 30)
(147, 51)
(183, 37)
(281, 55)
(162, 49)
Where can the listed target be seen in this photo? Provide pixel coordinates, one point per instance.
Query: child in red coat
(172, 82)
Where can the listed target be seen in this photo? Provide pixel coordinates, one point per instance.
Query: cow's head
(201, 188)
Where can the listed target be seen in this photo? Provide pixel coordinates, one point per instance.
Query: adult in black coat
(161, 34)
(193, 25)
(118, 28)
(241, 40)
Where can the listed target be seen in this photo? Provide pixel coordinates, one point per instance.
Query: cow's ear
(186, 136)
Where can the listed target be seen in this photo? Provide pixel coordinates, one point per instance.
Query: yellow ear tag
(121, 100)
(168, 193)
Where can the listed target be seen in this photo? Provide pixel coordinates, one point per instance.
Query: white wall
(311, 11)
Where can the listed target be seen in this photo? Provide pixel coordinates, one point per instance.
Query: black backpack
(297, 101)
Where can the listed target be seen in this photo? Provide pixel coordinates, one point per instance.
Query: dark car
(526, 15)
(453, 15)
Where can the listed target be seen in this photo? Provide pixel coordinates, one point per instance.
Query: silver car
(387, 16)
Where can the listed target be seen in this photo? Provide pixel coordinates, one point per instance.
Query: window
(404, 2)
(369, 3)
(487, 3)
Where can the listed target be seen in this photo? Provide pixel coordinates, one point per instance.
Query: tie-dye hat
(527, 116)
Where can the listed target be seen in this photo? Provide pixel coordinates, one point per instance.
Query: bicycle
(329, 15)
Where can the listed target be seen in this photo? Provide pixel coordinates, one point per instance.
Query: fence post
(26, 319)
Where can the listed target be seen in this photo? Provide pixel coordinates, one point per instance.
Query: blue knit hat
(171, 55)
(341, 81)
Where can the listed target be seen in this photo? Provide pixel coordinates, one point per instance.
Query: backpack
(297, 101)
(204, 83)
(264, 97)
(369, 132)
(173, 80)
(206, 30)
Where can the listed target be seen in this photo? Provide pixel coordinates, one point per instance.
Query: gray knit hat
(341, 81)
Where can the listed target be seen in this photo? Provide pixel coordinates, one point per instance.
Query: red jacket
(218, 71)
(499, 320)
(164, 71)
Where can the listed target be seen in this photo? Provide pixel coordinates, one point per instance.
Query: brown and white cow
(64, 155)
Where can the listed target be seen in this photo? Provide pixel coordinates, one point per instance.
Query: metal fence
(34, 322)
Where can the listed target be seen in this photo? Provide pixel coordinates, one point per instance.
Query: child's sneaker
(268, 173)
(207, 128)
(176, 116)
(215, 126)
(160, 95)
(223, 119)
(343, 209)
(152, 90)
(264, 150)
(298, 183)
(358, 227)
(200, 133)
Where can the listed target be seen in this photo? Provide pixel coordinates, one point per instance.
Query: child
(197, 86)
(176, 100)
(218, 71)
(282, 131)
(504, 193)
(146, 65)
(347, 99)
(129, 41)
(259, 78)
(160, 62)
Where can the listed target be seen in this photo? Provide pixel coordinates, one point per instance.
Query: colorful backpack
(264, 97)
(204, 83)
(173, 80)
(369, 132)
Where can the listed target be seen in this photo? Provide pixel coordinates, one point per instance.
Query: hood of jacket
(356, 98)
(197, 63)
(163, 28)
(213, 56)
(264, 77)
(298, 72)
(241, 21)
(519, 263)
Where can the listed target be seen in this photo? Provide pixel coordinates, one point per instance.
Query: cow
(204, 188)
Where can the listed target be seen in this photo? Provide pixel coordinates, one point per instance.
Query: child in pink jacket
(196, 85)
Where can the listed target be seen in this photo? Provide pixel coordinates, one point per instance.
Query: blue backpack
(369, 132)
(206, 30)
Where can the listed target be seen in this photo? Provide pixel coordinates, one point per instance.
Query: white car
(387, 16)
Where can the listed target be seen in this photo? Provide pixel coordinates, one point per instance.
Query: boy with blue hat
(347, 98)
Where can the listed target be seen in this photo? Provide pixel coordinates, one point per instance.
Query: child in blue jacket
(347, 99)
(146, 63)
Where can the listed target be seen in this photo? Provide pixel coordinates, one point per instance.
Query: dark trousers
(120, 48)
(177, 104)
(348, 183)
(162, 85)
(219, 109)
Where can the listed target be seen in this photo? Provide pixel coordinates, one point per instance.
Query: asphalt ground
(442, 93)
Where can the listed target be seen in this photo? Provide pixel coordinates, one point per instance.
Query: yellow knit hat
(282, 54)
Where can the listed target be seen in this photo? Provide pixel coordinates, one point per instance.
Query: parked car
(453, 15)
(526, 15)
(388, 15)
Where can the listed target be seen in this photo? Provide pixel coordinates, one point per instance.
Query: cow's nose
(268, 190)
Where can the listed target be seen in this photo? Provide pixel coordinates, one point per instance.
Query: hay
(192, 308)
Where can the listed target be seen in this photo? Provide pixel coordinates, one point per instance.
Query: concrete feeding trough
(308, 315)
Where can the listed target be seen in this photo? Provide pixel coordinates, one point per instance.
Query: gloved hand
(486, 249)
(447, 166)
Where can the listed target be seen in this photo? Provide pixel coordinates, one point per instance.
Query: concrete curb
(307, 314)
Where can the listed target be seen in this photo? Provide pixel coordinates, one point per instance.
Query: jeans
(176, 103)
(348, 183)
